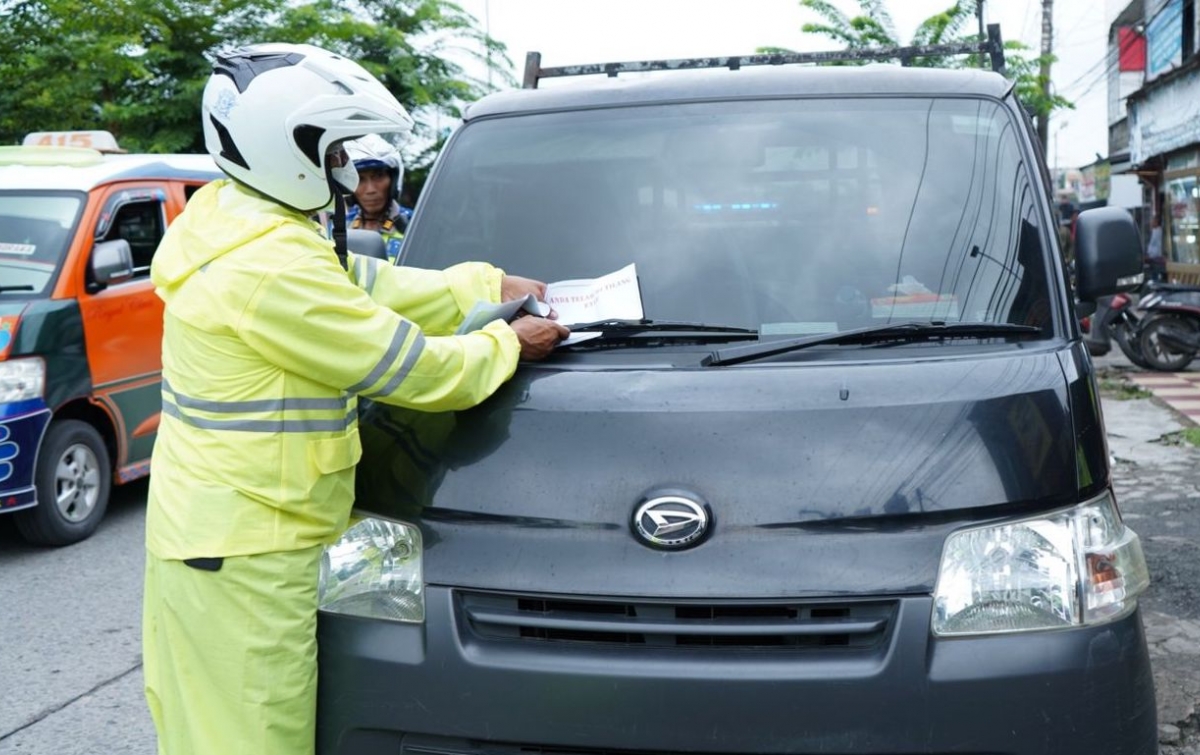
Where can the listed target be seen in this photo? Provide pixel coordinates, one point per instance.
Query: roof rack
(993, 46)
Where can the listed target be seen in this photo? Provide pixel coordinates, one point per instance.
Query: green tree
(872, 28)
(137, 67)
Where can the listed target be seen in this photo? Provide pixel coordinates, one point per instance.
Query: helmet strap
(339, 229)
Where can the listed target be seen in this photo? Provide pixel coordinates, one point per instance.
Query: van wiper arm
(625, 327)
(899, 333)
(645, 333)
(6, 289)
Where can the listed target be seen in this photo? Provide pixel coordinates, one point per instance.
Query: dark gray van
(844, 489)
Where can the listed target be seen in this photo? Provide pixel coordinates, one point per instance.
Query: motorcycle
(1115, 319)
(1121, 323)
(1169, 333)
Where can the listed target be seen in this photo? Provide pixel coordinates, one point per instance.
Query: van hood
(821, 479)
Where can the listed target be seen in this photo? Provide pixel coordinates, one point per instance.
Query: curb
(1178, 390)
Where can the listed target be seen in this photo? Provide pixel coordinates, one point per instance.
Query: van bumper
(440, 688)
(22, 425)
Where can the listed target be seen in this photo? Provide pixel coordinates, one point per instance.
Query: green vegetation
(1121, 389)
(1189, 436)
(137, 67)
(873, 28)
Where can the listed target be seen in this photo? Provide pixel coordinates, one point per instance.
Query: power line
(1111, 62)
(1073, 28)
(1025, 22)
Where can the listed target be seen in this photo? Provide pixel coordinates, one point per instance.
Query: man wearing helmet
(270, 333)
(376, 205)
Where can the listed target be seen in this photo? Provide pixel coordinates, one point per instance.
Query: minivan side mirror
(1108, 253)
(366, 243)
(112, 262)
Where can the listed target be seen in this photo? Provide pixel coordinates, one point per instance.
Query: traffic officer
(376, 201)
(268, 339)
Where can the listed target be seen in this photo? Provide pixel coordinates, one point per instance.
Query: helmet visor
(341, 170)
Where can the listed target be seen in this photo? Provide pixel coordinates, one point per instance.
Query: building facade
(1154, 122)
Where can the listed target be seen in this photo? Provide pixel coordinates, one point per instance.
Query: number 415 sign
(98, 140)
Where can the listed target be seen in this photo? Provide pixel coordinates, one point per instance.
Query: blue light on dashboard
(736, 206)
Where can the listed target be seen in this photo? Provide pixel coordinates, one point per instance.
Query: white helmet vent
(272, 112)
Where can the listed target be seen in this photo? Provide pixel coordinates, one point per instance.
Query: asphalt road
(70, 640)
(70, 655)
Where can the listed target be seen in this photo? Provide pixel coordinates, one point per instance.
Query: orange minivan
(80, 324)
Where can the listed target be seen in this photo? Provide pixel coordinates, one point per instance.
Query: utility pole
(1043, 124)
(487, 33)
(983, 58)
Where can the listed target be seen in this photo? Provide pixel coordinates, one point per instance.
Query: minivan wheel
(73, 479)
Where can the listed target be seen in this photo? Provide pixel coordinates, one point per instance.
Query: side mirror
(366, 243)
(112, 262)
(1108, 253)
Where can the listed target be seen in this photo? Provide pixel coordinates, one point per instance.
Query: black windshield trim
(901, 332)
(616, 339)
(648, 326)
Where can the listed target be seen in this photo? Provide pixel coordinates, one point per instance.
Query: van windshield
(787, 217)
(35, 231)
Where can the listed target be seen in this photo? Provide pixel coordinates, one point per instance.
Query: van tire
(73, 465)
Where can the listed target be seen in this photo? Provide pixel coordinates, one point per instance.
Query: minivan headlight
(1072, 568)
(374, 571)
(22, 379)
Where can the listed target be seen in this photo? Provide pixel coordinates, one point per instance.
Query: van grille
(827, 624)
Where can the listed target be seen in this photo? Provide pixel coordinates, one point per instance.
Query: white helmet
(272, 113)
(374, 152)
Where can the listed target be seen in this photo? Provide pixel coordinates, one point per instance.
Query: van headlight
(22, 379)
(374, 571)
(1072, 568)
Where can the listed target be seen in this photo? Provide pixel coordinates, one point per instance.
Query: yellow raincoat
(267, 341)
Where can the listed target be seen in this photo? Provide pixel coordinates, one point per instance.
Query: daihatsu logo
(670, 521)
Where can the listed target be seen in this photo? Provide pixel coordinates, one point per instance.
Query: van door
(122, 324)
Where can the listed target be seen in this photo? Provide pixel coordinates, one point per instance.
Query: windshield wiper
(898, 333)
(610, 333)
(626, 327)
(6, 289)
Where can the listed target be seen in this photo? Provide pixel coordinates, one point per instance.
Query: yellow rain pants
(222, 650)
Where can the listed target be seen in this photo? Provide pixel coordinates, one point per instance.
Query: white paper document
(615, 296)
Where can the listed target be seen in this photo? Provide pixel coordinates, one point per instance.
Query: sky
(570, 32)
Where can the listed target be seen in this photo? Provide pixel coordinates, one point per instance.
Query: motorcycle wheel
(1158, 355)
(1127, 342)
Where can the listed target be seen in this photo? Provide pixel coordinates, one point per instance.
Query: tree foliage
(137, 67)
(872, 27)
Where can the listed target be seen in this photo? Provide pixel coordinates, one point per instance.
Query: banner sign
(1164, 39)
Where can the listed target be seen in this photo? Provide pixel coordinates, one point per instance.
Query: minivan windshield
(787, 217)
(35, 231)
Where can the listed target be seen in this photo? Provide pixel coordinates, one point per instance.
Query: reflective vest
(392, 229)
(267, 342)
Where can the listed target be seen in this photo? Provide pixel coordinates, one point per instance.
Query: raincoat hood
(220, 217)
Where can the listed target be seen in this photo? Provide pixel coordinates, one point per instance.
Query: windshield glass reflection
(788, 217)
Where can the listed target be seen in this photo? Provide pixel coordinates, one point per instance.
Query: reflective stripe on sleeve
(372, 271)
(389, 356)
(365, 271)
(409, 360)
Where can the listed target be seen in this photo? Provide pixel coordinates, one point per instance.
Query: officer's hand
(538, 336)
(516, 287)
